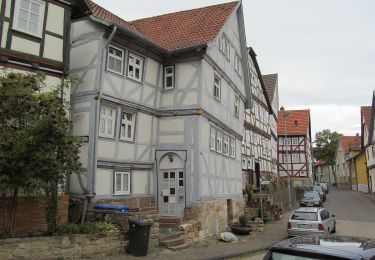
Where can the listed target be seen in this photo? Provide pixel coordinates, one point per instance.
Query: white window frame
(223, 44)
(286, 141)
(116, 58)
(217, 88)
(285, 157)
(295, 140)
(107, 120)
(132, 58)
(40, 21)
(122, 176)
(219, 141)
(226, 145)
(213, 138)
(232, 148)
(236, 106)
(166, 75)
(125, 123)
(236, 63)
(295, 158)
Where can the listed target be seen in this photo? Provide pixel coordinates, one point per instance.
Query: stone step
(169, 220)
(173, 242)
(180, 247)
(166, 237)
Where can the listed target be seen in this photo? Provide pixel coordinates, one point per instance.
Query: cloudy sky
(323, 51)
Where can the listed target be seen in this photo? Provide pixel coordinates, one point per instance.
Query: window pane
(165, 175)
(129, 131)
(131, 71)
(25, 4)
(172, 175)
(111, 63)
(137, 61)
(22, 24)
(169, 82)
(165, 198)
(35, 8)
(181, 183)
(181, 175)
(118, 182)
(137, 73)
(125, 186)
(172, 191)
(23, 15)
(118, 66)
(102, 126)
(169, 70)
(128, 116)
(109, 127)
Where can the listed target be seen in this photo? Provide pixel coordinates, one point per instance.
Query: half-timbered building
(367, 143)
(161, 110)
(256, 144)
(271, 84)
(35, 37)
(294, 146)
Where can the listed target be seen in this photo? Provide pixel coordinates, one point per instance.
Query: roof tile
(297, 122)
(350, 142)
(270, 84)
(366, 112)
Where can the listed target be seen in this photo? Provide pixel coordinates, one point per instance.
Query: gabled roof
(270, 84)
(253, 56)
(349, 142)
(175, 31)
(297, 122)
(366, 114)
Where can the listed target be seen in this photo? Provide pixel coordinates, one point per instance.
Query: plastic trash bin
(107, 206)
(139, 233)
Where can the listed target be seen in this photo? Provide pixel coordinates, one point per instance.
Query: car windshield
(300, 215)
(317, 188)
(310, 196)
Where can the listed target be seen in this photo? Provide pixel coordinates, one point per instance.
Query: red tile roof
(366, 113)
(297, 122)
(270, 84)
(350, 142)
(175, 31)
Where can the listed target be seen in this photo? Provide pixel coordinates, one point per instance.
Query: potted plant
(241, 228)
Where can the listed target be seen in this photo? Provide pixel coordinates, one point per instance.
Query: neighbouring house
(368, 141)
(161, 111)
(272, 89)
(256, 144)
(353, 159)
(294, 146)
(323, 172)
(342, 159)
(35, 38)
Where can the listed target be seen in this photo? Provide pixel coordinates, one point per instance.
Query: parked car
(324, 186)
(323, 247)
(311, 221)
(311, 199)
(320, 190)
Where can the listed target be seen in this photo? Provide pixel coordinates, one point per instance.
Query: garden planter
(240, 230)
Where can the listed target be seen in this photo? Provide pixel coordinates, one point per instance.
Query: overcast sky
(323, 51)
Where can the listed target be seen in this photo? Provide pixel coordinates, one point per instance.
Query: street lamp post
(285, 114)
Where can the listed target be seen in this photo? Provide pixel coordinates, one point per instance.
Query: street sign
(265, 182)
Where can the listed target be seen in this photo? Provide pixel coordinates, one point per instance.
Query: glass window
(236, 106)
(169, 77)
(232, 148)
(29, 16)
(217, 87)
(223, 44)
(219, 141)
(127, 126)
(285, 158)
(286, 141)
(213, 138)
(107, 121)
(226, 145)
(295, 141)
(300, 215)
(295, 158)
(135, 66)
(122, 183)
(115, 60)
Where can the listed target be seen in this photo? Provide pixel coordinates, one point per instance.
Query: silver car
(311, 221)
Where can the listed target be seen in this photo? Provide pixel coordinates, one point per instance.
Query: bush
(99, 228)
(243, 220)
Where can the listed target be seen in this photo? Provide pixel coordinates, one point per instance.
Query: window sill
(126, 141)
(167, 89)
(216, 99)
(115, 73)
(121, 193)
(38, 36)
(135, 80)
(107, 138)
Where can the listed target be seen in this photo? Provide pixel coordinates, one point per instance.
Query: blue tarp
(107, 206)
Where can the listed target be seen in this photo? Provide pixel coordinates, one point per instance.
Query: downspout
(92, 191)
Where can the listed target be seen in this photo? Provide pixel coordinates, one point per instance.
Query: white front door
(172, 193)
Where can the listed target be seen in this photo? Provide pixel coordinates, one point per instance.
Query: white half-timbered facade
(256, 144)
(294, 146)
(35, 37)
(161, 117)
(368, 142)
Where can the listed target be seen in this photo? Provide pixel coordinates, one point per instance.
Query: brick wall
(30, 216)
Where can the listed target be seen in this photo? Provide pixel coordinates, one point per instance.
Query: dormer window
(29, 17)
(169, 77)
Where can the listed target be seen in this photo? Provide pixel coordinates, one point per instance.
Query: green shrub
(243, 220)
(99, 228)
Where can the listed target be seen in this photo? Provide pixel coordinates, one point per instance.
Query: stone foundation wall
(64, 247)
(212, 216)
(30, 215)
(121, 219)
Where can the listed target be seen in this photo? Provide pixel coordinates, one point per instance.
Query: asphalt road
(355, 212)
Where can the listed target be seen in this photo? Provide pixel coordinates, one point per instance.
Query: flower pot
(240, 230)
